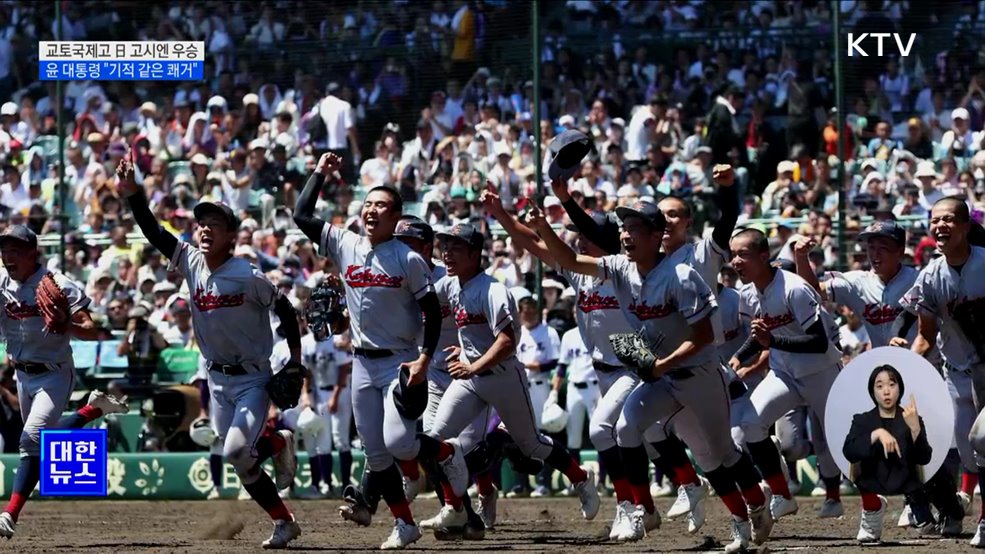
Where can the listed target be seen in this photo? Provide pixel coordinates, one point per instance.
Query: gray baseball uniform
(938, 289)
(538, 345)
(483, 309)
(231, 317)
(382, 287)
(875, 302)
(707, 258)
(42, 396)
(789, 306)
(583, 385)
(665, 303)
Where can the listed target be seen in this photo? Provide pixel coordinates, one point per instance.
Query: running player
(231, 306)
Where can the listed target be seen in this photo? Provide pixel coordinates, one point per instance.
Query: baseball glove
(970, 317)
(284, 388)
(53, 305)
(325, 311)
(632, 350)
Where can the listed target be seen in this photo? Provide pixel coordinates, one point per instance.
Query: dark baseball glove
(284, 388)
(325, 311)
(970, 317)
(632, 350)
(53, 305)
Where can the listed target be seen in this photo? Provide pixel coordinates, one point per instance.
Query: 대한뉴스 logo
(855, 43)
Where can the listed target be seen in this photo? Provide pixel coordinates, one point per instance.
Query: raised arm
(304, 209)
(523, 236)
(802, 249)
(564, 256)
(582, 221)
(156, 235)
(728, 203)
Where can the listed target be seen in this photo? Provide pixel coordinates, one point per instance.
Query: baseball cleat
(651, 520)
(540, 492)
(870, 524)
(214, 494)
(588, 493)
(978, 541)
(741, 535)
(949, 527)
(781, 506)
(450, 518)
(402, 536)
(906, 518)
(108, 404)
(356, 509)
(831, 508)
(284, 532)
(309, 493)
(634, 528)
(455, 470)
(761, 520)
(7, 525)
(413, 487)
(660, 490)
(285, 461)
(818, 491)
(690, 501)
(621, 520)
(486, 507)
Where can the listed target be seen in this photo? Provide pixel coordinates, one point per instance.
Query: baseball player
(216, 468)
(576, 367)
(484, 366)
(387, 287)
(41, 356)
(682, 378)
(876, 296)
(785, 316)
(231, 304)
(946, 298)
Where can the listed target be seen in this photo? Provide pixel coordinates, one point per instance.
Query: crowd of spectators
(432, 99)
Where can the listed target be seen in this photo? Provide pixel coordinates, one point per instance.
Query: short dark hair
(398, 202)
(681, 201)
(893, 372)
(759, 240)
(525, 301)
(960, 207)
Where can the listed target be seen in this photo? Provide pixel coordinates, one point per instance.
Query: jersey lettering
(357, 276)
(211, 301)
(17, 311)
(595, 301)
(644, 312)
(463, 318)
(777, 321)
(880, 314)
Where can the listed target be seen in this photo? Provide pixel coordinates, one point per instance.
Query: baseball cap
(414, 227)
(200, 159)
(648, 211)
(608, 228)
(8, 108)
(925, 169)
(565, 154)
(465, 232)
(960, 113)
(888, 229)
(19, 233)
(164, 286)
(204, 208)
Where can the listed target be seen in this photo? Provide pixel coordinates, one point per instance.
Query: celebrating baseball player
(40, 311)
(875, 295)
(484, 365)
(675, 357)
(947, 298)
(383, 276)
(231, 306)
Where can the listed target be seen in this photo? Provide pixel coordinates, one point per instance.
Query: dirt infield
(525, 524)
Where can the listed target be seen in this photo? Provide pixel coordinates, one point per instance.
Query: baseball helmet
(201, 432)
(309, 424)
(554, 418)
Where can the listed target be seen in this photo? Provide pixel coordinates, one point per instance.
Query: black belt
(30, 368)
(604, 367)
(372, 354)
(230, 370)
(538, 382)
(585, 384)
(327, 387)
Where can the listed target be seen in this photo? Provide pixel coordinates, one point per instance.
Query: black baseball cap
(608, 229)
(204, 208)
(467, 233)
(648, 211)
(19, 233)
(566, 152)
(883, 228)
(414, 227)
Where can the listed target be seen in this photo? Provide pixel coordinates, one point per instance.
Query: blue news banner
(73, 462)
(121, 70)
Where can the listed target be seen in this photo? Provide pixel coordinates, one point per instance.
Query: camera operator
(141, 344)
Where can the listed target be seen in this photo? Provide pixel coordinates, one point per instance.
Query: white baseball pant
(506, 391)
(959, 384)
(977, 434)
(42, 399)
(615, 387)
(696, 407)
(372, 381)
(540, 389)
(438, 383)
(780, 393)
(239, 406)
(323, 442)
(582, 401)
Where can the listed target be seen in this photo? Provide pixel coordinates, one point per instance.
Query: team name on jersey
(643, 311)
(880, 314)
(777, 321)
(18, 311)
(595, 301)
(210, 301)
(463, 318)
(357, 276)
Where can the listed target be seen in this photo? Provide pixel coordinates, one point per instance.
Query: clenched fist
(329, 163)
(723, 175)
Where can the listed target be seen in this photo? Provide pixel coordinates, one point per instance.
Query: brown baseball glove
(53, 305)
